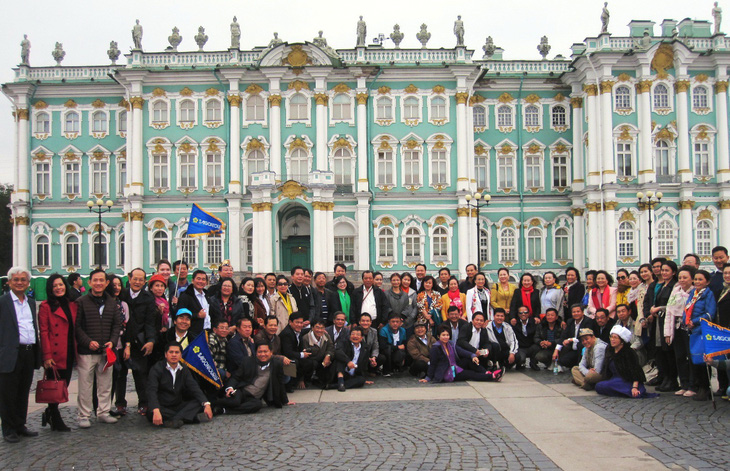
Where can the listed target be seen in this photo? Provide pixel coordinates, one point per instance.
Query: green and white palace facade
(366, 156)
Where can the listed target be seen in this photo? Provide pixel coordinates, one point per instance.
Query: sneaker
(107, 419)
(680, 392)
(497, 374)
(118, 411)
(84, 423)
(689, 393)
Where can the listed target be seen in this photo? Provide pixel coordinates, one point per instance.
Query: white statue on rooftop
(459, 31)
(605, 16)
(362, 31)
(717, 17)
(25, 50)
(137, 35)
(235, 34)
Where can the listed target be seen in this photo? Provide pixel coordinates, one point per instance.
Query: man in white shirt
(195, 298)
(351, 362)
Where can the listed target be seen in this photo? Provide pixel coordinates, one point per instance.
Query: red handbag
(51, 391)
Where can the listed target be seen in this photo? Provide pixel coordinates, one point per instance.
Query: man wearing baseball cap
(588, 371)
(179, 333)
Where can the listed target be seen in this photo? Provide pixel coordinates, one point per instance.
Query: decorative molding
(40, 105)
(275, 100)
(610, 205)
(384, 90)
(98, 104)
(158, 92)
(721, 87)
(137, 102)
(607, 86)
(254, 89)
(136, 216)
(22, 113)
(186, 92)
(576, 102)
(593, 207)
(461, 98)
(505, 98)
(701, 78)
(681, 86)
(22, 221)
(362, 98)
(686, 204)
(462, 212)
(627, 216)
(724, 204)
(532, 98)
(341, 88)
(321, 99)
(663, 59)
(643, 86)
(590, 90)
(624, 77)
(292, 189)
(298, 85)
(705, 214)
(212, 92)
(411, 89)
(559, 98)
(235, 100)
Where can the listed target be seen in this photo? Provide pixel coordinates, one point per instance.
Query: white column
(128, 234)
(684, 171)
(137, 240)
(594, 138)
(275, 134)
(233, 231)
(329, 219)
(234, 183)
(579, 239)
(135, 154)
(723, 152)
(362, 140)
(363, 234)
(609, 241)
(267, 241)
(606, 126)
(23, 185)
(256, 259)
(21, 257)
(724, 238)
(578, 167)
(319, 236)
(685, 224)
(594, 226)
(646, 167)
(462, 179)
(321, 99)
(463, 224)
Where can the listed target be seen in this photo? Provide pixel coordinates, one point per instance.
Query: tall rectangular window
(385, 168)
(345, 249)
(412, 167)
(532, 172)
(99, 171)
(121, 176)
(702, 159)
(43, 178)
(214, 169)
(214, 249)
(560, 171)
(439, 167)
(72, 176)
(505, 171)
(623, 157)
(159, 171)
(187, 170)
(481, 164)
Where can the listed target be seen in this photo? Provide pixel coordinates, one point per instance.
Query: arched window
(42, 123)
(342, 160)
(703, 238)
(213, 111)
(504, 116)
(189, 248)
(187, 111)
(440, 243)
(534, 244)
(256, 162)
(412, 239)
(98, 122)
(255, 107)
(386, 244)
(410, 108)
(383, 108)
(72, 122)
(42, 251)
(99, 250)
(341, 107)
(160, 246)
(661, 96)
(662, 158)
(122, 121)
(622, 98)
(532, 116)
(159, 112)
(438, 108)
(299, 164)
(562, 244)
(666, 240)
(71, 251)
(626, 239)
(508, 245)
(298, 107)
(559, 117)
(480, 117)
(699, 97)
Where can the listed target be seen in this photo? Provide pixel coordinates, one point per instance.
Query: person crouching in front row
(450, 362)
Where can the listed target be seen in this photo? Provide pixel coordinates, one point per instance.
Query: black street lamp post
(649, 201)
(99, 207)
(478, 201)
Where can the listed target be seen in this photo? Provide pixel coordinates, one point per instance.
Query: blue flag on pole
(715, 339)
(198, 358)
(203, 223)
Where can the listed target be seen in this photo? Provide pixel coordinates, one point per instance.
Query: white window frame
(65, 175)
(631, 96)
(433, 118)
(703, 134)
(217, 166)
(382, 121)
(35, 161)
(411, 121)
(383, 258)
(568, 239)
(503, 127)
(264, 108)
(38, 132)
(64, 251)
(152, 152)
(484, 109)
(439, 143)
(183, 240)
(67, 133)
(308, 96)
(540, 156)
(184, 165)
(187, 124)
(92, 248)
(627, 243)
(669, 241)
(554, 165)
(349, 96)
(485, 156)
(154, 242)
(164, 120)
(119, 247)
(413, 235)
(671, 154)
(699, 110)
(246, 150)
(447, 234)
(343, 158)
(105, 131)
(120, 160)
(307, 153)
(121, 116)
(532, 127)
(553, 110)
(37, 263)
(209, 122)
(662, 110)
(105, 160)
(502, 159)
(345, 233)
(529, 238)
(708, 243)
(485, 242)
(505, 249)
(386, 144)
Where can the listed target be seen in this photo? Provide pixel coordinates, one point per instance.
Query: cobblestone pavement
(411, 435)
(684, 433)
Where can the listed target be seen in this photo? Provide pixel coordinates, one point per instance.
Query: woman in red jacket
(56, 319)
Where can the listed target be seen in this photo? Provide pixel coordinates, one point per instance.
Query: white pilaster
(137, 241)
(329, 221)
(463, 225)
(233, 232)
(275, 133)
(609, 233)
(724, 237)
(594, 226)
(267, 239)
(363, 233)
(594, 138)
(606, 126)
(362, 139)
(646, 166)
(462, 180)
(685, 225)
(684, 170)
(234, 184)
(136, 153)
(579, 238)
(319, 237)
(321, 131)
(577, 123)
(723, 152)
(23, 183)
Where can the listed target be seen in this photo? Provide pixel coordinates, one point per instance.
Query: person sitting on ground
(475, 339)
(623, 375)
(180, 333)
(547, 335)
(351, 362)
(392, 338)
(338, 331)
(524, 330)
(419, 346)
(173, 394)
(322, 349)
(218, 343)
(568, 351)
(292, 347)
(503, 335)
(588, 371)
(449, 363)
(369, 341)
(255, 379)
(605, 324)
(241, 345)
(623, 318)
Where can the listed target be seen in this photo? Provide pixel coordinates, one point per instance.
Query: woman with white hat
(625, 377)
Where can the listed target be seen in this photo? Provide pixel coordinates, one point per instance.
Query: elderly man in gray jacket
(587, 373)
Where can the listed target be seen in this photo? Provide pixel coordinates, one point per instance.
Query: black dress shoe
(657, 380)
(11, 438)
(25, 432)
(341, 388)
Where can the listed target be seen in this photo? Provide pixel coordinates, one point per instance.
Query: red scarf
(526, 295)
(405, 290)
(455, 298)
(601, 301)
(689, 307)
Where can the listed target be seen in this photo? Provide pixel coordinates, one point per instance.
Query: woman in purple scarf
(449, 362)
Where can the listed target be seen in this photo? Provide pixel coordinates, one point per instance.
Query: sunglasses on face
(283, 284)
(621, 277)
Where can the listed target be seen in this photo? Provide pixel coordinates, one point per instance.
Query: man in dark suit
(256, 379)
(568, 349)
(195, 298)
(241, 344)
(292, 347)
(302, 293)
(325, 300)
(370, 299)
(141, 332)
(340, 270)
(604, 324)
(174, 395)
(20, 354)
(456, 324)
(75, 284)
(337, 331)
(351, 362)
(524, 330)
(420, 275)
(475, 339)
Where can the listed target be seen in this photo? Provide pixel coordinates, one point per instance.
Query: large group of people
(272, 334)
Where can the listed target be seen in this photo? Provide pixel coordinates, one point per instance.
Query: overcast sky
(86, 27)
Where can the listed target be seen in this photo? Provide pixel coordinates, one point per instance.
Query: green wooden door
(295, 252)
